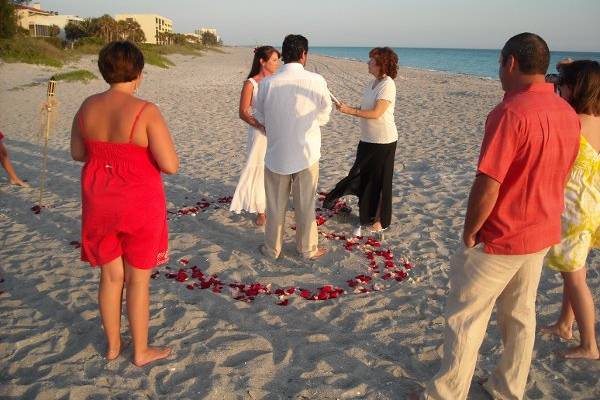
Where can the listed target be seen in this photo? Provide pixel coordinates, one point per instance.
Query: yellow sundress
(581, 218)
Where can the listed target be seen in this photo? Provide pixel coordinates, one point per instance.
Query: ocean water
(477, 62)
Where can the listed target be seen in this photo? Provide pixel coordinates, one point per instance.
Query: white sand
(379, 345)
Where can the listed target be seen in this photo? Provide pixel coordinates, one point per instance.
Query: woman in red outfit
(125, 145)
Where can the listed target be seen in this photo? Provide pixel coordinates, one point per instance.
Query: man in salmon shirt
(513, 217)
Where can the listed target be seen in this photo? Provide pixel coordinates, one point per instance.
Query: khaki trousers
(303, 186)
(477, 282)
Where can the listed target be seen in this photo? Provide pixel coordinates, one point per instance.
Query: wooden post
(49, 109)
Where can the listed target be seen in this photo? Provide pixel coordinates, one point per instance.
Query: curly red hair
(386, 59)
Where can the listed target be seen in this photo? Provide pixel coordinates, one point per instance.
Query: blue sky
(566, 25)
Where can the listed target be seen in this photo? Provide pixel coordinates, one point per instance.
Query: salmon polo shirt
(531, 140)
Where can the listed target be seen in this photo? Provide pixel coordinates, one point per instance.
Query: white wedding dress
(250, 191)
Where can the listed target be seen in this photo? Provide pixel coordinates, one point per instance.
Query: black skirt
(370, 179)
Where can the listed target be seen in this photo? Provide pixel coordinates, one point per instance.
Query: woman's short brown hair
(120, 61)
(386, 59)
(583, 77)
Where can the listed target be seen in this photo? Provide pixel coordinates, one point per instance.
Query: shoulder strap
(253, 82)
(136, 120)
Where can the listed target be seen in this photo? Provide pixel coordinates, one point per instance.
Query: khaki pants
(477, 282)
(303, 186)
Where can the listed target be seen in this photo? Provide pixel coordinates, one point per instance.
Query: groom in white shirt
(292, 105)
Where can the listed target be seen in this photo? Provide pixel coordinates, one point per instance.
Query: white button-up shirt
(292, 105)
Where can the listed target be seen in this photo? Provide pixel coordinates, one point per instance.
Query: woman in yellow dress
(580, 86)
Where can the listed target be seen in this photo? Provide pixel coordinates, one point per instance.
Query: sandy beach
(378, 339)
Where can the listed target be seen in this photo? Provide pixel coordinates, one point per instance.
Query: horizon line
(417, 47)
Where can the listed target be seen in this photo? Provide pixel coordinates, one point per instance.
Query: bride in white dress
(250, 191)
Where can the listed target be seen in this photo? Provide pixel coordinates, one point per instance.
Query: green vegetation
(23, 87)
(87, 45)
(30, 50)
(77, 75)
(80, 75)
(8, 19)
(87, 37)
(157, 54)
(50, 51)
(153, 56)
(106, 29)
(192, 49)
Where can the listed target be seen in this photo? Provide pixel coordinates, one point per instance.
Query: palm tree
(106, 28)
(129, 29)
(209, 39)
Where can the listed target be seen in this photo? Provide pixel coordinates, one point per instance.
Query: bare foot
(260, 219)
(151, 354)
(321, 251)
(558, 330)
(19, 182)
(579, 353)
(375, 227)
(112, 354)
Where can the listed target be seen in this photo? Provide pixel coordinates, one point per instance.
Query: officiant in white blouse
(370, 178)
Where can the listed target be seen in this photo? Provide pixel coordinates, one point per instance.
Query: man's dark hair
(120, 61)
(530, 51)
(293, 47)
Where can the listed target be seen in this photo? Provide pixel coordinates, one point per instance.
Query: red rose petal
(361, 283)
(181, 276)
(290, 291)
(283, 302)
(197, 274)
(204, 285)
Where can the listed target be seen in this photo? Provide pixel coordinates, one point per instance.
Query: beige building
(39, 22)
(151, 24)
(200, 31)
